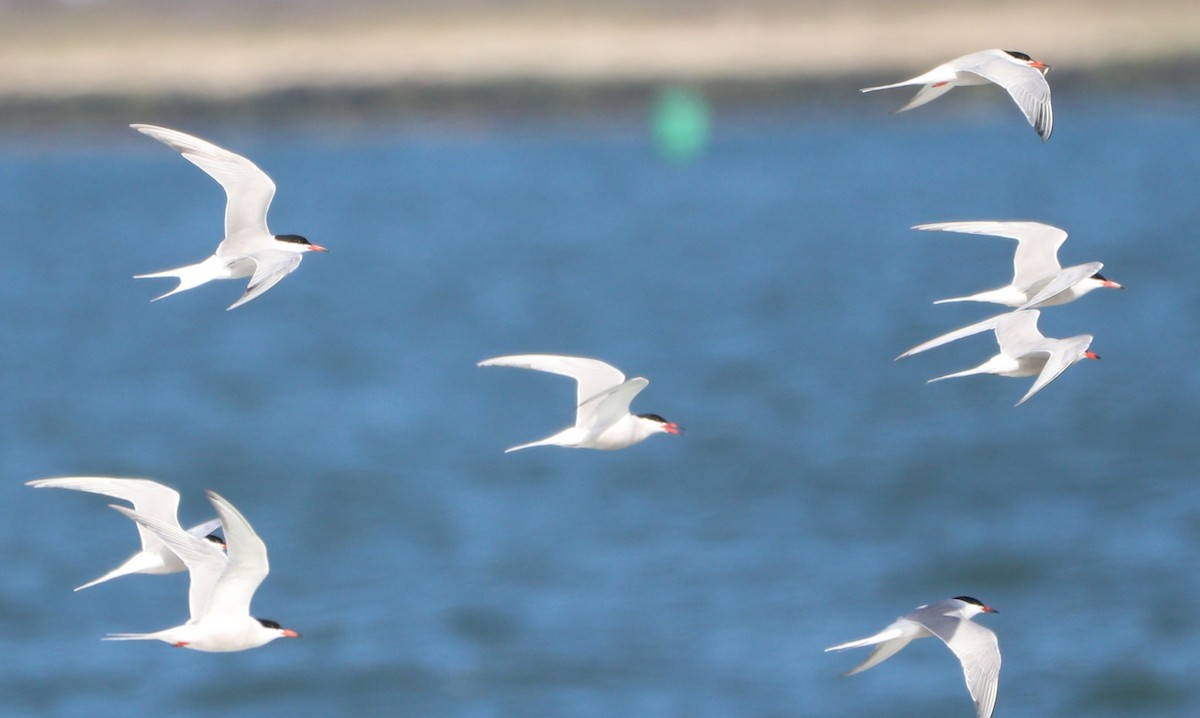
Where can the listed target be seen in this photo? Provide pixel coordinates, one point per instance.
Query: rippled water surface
(764, 288)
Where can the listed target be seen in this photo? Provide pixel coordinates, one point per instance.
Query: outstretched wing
(979, 652)
(1026, 85)
(248, 190)
(1061, 282)
(1063, 353)
(247, 561)
(1037, 245)
(961, 332)
(204, 559)
(593, 376)
(148, 497)
(1017, 333)
(609, 406)
(270, 266)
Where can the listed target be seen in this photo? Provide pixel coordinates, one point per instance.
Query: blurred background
(695, 192)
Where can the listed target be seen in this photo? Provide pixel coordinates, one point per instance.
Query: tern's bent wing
(1063, 353)
(205, 561)
(1017, 333)
(270, 267)
(1061, 282)
(610, 406)
(248, 190)
(592, 375)
(979, 652)
(969, 330)
(148, 497)
(1028, 88)
(1037, 245)
(247, 561)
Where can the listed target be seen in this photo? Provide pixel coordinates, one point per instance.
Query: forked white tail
(191, 276)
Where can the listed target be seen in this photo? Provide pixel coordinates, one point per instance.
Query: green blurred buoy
(679, 123)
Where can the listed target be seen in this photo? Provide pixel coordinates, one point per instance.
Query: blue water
(764, 288)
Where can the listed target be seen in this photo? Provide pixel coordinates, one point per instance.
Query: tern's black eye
(268, 623)
(1020, 55)
(293, 238)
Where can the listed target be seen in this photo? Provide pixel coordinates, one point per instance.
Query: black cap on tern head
(668, 426)
(268, 623)
(1020, 55)
(976, 602)
(303, 243)
(654, 417)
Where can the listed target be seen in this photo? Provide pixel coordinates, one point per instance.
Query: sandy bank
(90, 52)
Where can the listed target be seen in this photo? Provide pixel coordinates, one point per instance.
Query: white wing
(1026, 85)
(247, 562)
(1037, 245)
(270, 266)
(1017, 333)
(204, 559)
(961, 332)
(248, 190)
(593, 376)
(610, 406)
(1063, 353)
(978, 651)
(148, 497)
(1063, 281)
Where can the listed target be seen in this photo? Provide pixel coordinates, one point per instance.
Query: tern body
(1024, 351)
(150, 498)
(221, 587)
(1023, 77)
(1038, 279)
(950, 620)
(602, 417)
(248, 249)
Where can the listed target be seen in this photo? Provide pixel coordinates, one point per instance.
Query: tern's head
(1096, 281)
(660, 424)
(974, 606)
(280, 630)
(1027, 60)
(220, 542)
(296, 243)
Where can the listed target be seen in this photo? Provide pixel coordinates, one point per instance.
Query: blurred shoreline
(69, 62)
